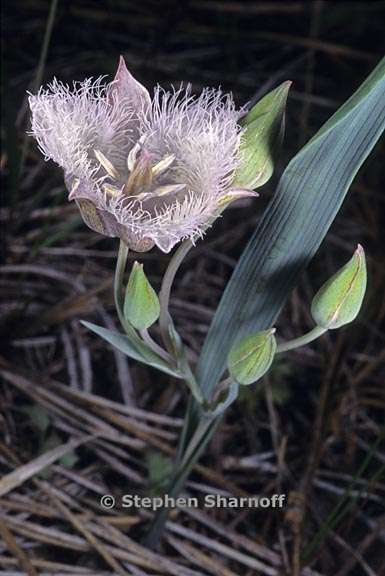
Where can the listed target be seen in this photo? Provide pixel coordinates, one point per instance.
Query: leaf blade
(124, 345)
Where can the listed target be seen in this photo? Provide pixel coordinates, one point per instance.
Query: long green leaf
(294, 224)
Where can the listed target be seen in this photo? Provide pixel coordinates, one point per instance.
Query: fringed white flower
(150, 171)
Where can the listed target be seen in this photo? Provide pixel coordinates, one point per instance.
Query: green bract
(264, 126)
(141, 304)
(249, 360)
(339, 300)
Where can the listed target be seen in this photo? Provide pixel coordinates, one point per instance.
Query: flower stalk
(165, 320)
(145, 339)
(313, 334)
(118, 284)
(144, 333)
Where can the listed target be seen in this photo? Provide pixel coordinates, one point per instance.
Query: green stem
(221, 386)
(185, 430)
(119, 302)
(118, 281)
(182, 470)
(194, 389)
(302, 340)
(195, 441)
(166, 325)
(164, 294)
(189, 377)
(185, 459)
(154, 346)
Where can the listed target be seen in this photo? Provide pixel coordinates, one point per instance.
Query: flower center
(146, 180)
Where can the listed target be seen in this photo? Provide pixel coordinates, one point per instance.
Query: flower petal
(124, 86)
(98, 220)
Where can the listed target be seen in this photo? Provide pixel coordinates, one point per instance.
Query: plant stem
(119, 304)
(185, 459)
(154, 346)
(188, 455)
(302, 340)
(193, 386)
(222, 385)
(164, 294)
(182, 469)
(195, 441)
(118, 280)
(166, 323)
(118, 293)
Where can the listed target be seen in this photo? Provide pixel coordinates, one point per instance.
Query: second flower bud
(249, 360)
(141, 303)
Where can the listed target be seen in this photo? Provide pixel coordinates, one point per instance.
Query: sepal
(339, 300)
(250, 359)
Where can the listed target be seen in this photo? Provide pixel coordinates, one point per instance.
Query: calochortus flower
(151, 171)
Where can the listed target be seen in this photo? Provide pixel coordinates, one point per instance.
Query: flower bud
(141, 304)
(339, 300)
(249, 360)
(261, 139)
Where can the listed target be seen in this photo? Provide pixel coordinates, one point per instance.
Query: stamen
(107, 165)
(142, 196)
(141, 175)
(163, 165)
(112, 190)
(168, 189)
(160, 192)
(131, 158)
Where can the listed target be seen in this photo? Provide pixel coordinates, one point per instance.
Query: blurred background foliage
(314, 429)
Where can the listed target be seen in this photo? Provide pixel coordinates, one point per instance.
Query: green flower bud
(249, 360)
(339, 300)
(141, 304)
(261, 139)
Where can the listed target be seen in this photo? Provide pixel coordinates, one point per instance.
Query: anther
(163, 165)
(141, 175)
(107, 165)
(168, 189)
(112, 190)
(131, 158)
(133, 154)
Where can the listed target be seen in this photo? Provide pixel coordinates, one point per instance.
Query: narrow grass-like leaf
(294, 224)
